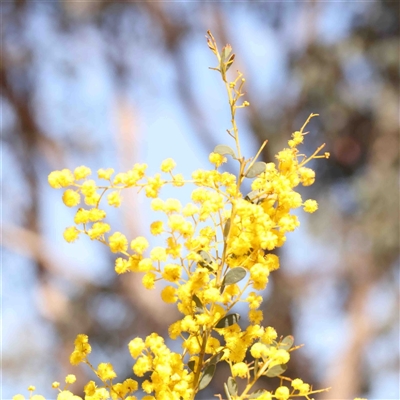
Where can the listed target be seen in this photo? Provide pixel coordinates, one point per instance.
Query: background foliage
(110, 84)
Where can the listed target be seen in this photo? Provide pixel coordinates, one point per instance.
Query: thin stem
(257, 155)
(312, 156)
(308, 120)
(232, 106)
(200, 363)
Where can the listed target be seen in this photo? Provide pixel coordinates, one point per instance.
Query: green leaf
(255, 197)
(224, 149)
(234, 275)
(206, 262)
(226, 228)
(276, 370)
(225, 60)
(228, 320)
(191, 364)
(225, 52)
(256, 169)
(205, 256)
(199, 305)
(207, 376)
(215, 359)
(256, 394)
(232, 386)
(227, 392)
(286, 343)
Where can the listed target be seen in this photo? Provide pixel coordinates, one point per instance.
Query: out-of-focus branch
(32, 245)
(344, 376)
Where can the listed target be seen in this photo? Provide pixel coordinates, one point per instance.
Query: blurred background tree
(109, 84)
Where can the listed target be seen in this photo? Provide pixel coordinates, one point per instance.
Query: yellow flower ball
(82, 172)
(140, 244)
(136, 346)
(71, 234)
(118, 242)
(88, 188)
(240, 369)
(269, 336)
(106, 371)
(114, 199)
(70, 378)
(168, 294)
(310, 206)
(105, 173)
(217, 159)
(307, 176)
(121, 266)
(282, 393)
(71, 198)
(168, 165)
(59, 179)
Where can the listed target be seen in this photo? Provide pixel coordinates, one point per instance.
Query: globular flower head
(136, 346)
(59, 179)
(118, 242)
(240, 369)
(105, 372)
(81, 172)
(105, 173)
(70, 378)
(217, 159)
(71, 234)
(71, 198)
(310, 206)
(168, 165)
(282, 393)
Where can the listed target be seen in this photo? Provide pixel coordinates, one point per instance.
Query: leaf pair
(226, 60)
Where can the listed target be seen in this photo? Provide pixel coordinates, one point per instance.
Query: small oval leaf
(226, 228)
(227, 392)
(191, 364)
(199, 305)
(232, 386)
(276, 370)
(215, 359)
(207, 376)
(206, 260)
(224, 149)
(234, 275)
(205, 256)
(255, 197)
(225, 52)
(228, 320)
(286, 343)
(256, 169)
(256, 394)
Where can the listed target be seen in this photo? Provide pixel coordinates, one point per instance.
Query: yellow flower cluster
(217, 248)
(202, 278)
(82, 349)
